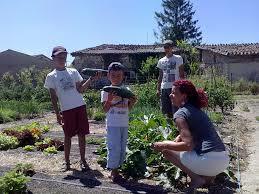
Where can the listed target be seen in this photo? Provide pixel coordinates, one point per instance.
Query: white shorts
(208, 164)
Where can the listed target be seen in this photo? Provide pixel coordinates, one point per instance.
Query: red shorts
(75, 121)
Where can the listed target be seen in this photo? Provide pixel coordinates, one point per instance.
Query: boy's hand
(133, 100)
(111, 95)
(60, 119)
(97, 76)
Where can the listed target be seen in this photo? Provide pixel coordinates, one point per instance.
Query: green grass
(7, 115)
(14, 110)
(257, 118)
(216, 117)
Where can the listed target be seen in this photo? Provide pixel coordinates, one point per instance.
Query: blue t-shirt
(204, 135)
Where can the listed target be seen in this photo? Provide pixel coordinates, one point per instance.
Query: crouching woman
(197, 150)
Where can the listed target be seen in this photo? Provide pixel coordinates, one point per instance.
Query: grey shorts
(165, 103)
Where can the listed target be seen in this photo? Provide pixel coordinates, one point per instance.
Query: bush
(219, 91)
(7, 115)
(13, 183)
(99, 116)
(254, 88)
(146, 94)
(8, 142)
(148, 67)
(26, 169)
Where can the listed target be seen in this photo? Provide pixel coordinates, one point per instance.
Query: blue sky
(35, 26)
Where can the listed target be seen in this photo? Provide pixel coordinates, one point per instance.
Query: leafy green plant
(50, 150)
(8, 142)
(13, 183)
(254, 88)
(29, 148)
(99, 116)
(25, 137)
(143, 132)
(146, 94)
(148, 67)
(7, 115)
(95, 140)
(27, 169)
(45, 129)
(257, 118)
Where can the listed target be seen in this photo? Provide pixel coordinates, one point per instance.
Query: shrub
(148, 67)
(254, 88)
(26, 169)
(13, 183)
(146, 94)
(99, 116)
(8, 142)
(218, 90)
(7, 115)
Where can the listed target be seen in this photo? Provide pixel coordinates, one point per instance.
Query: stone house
(129, 55)
(13, 61)
(236, 61)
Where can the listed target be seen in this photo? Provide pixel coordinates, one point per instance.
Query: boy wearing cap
(117, 121)
(170, 69)
(65, 86)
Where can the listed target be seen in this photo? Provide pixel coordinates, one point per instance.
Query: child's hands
(133, 100)
(97, 76)
(111, 95)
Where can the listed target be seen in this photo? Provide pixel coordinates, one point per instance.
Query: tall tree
(176, 22)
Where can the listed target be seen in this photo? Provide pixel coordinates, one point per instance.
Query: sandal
(84, 166)
(66, 166)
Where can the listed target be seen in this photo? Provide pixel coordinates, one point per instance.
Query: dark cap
(116, 66)
(57, 50)
(168, 42)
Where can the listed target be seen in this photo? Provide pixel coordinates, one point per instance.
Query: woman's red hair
(197, 97)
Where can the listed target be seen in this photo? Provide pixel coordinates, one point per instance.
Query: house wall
(235, 67)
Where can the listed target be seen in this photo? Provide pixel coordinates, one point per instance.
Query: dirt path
(249, 109)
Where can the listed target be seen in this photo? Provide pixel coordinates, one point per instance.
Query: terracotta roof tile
(232, 49)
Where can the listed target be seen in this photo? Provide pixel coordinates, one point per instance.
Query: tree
(176, 22)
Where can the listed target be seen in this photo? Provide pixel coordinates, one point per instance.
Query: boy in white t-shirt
(65, 86)
(117, 121)
(170, 69)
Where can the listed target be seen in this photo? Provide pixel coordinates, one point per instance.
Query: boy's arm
(107, 104)
(83, 85)
(54, 100)
(181, 68)
(181, 71)
(160, 77)
(132, 102)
